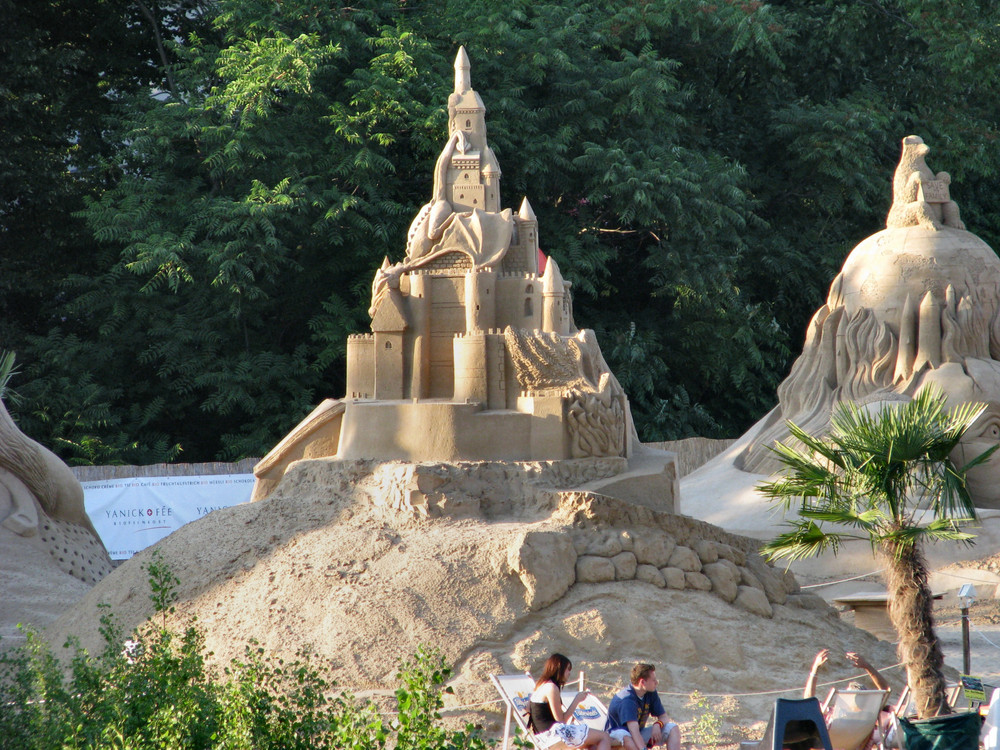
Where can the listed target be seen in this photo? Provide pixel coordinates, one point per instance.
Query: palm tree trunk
(910, 611)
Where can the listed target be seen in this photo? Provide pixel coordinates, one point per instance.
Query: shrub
(155, 691)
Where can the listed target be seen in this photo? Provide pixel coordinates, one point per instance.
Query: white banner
(131, 514)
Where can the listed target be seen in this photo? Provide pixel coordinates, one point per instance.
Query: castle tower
(473, 177)
(527, 229)
(553, 292)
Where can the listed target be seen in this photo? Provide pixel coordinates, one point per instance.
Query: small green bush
(155, 691)
(706, 726)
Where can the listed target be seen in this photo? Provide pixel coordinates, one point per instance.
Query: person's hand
(857, 660)
(821, 658)
(656, 735)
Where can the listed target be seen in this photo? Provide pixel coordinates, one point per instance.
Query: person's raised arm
(862, 663)
(819, 661)
(554, 699)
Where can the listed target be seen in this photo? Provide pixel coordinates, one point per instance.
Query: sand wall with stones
(495, 565)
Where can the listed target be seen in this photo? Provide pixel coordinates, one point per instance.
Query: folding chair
(895, 738)
(794, 723)
(516, 689)
(852, 715)
(942, 732)
(591, 710)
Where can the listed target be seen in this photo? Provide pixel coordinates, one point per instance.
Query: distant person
(633, 705)
(547, 719)
(823, 656)
(883, 726)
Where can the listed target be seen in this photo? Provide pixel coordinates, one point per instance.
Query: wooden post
(966, 651)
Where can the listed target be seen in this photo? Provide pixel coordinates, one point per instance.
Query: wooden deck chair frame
(882, 697)
(515, 702)
(591, 710)
(952, 693)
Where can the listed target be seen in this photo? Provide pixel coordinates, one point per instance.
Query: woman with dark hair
(550, 723)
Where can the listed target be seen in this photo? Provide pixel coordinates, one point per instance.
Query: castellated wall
(519, 301)
(481, 368)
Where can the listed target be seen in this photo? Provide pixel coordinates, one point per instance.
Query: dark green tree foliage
(699, 170)
(61, 62)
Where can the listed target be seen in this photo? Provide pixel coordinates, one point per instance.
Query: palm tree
(886, 478)
(7, 371)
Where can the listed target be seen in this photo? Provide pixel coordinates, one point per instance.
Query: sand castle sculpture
(473, 352)
(914, 304)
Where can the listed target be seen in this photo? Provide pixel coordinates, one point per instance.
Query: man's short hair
(641, 671)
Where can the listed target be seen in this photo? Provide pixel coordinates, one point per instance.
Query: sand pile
(493, 564)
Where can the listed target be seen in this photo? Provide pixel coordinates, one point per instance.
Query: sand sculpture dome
(915, 304)
(886, 268)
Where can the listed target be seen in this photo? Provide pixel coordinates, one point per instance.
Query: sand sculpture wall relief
(473, 353)
(42, 502)
(50, 553)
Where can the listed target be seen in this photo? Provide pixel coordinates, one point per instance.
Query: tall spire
(463, 81)
(473, 173)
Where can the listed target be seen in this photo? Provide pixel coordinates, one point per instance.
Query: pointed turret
(553, 294)
(526, 213)
(463, 81)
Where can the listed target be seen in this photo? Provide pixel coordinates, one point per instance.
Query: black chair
(795, 724)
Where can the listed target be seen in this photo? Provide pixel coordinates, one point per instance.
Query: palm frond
(7, 371)
(877, 472)
(806, 539)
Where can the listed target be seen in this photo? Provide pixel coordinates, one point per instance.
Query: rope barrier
(472, 705)
(842, 580)
(762, 692)
(966, 578)
(983, 636)
(880, 570)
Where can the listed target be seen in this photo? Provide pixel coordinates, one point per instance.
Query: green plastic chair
(951, 732)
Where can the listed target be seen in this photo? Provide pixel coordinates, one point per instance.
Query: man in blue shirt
(632, 706)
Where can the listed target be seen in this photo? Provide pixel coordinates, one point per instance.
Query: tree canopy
(196, 194)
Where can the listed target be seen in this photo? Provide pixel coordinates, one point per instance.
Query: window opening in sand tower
(388, 345)
(529, 310)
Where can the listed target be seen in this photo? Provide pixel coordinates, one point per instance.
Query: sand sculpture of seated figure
(915, 304)
(42, 502)
(919, 197)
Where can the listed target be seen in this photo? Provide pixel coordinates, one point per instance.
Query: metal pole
(966, 655)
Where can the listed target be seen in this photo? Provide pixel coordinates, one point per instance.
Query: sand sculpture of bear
(919, 197)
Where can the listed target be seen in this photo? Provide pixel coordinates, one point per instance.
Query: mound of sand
(496, 566)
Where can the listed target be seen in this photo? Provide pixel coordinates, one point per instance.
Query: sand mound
(493, 564)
